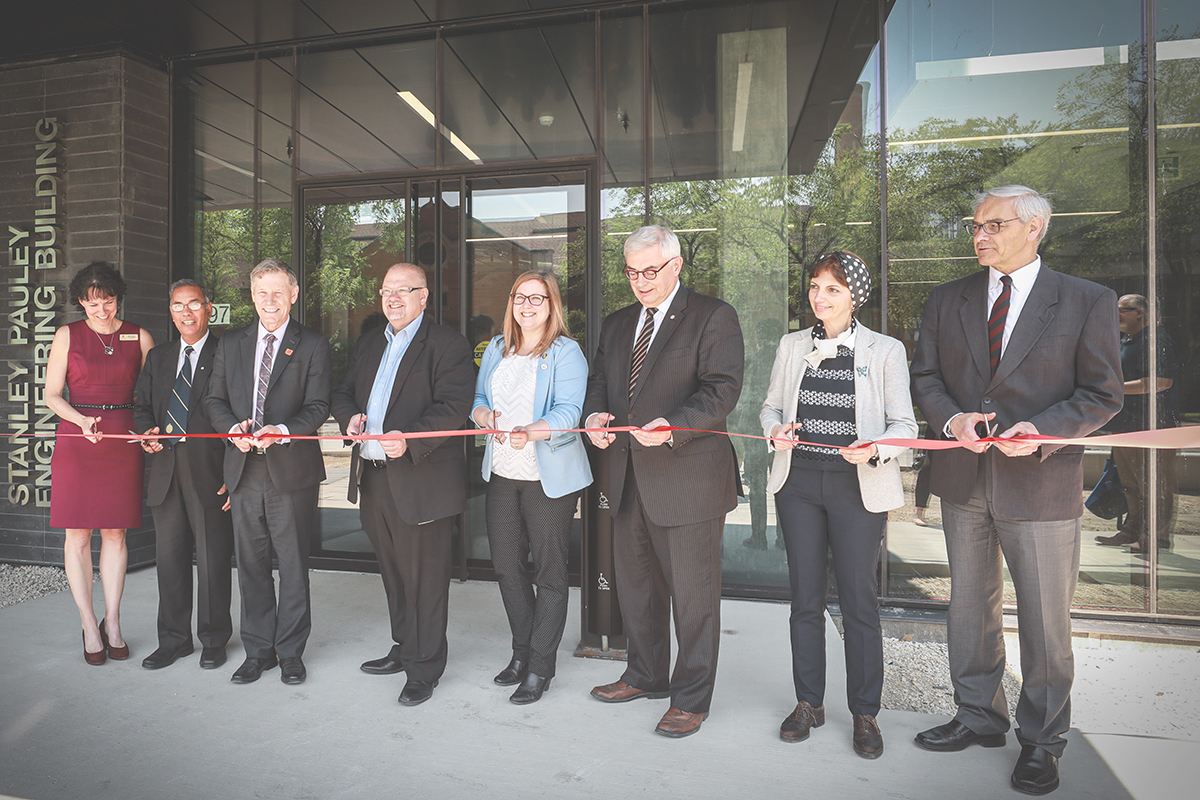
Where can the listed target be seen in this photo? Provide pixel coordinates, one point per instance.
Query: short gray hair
(269, 265)
(1029, 204)
(182, 282)
(653, 236)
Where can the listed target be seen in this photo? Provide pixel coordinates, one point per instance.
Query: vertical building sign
(34, 247)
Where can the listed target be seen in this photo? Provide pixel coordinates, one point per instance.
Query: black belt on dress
(104, 407)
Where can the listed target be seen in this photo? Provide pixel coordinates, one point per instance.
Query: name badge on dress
(128, 337)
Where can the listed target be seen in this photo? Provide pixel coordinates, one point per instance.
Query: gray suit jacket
(882, 409)
(1061, 371)
(692, 377)
(297, 396)
(151, 396)
(434, 386)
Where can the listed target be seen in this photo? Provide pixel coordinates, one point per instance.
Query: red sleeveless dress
(99, 485)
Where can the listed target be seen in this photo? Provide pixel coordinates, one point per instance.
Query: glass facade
(764, 133)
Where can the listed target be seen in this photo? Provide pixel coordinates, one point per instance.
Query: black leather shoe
(292, 671)
(416, 692)
(1036, 771)
(388, 665)
(513, 674)
(166, 656)
(212, 657)
(954, 736)
(530, 690)
(252, 669)
(1119, 538)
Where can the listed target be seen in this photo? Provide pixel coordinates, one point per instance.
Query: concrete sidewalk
(72, 731)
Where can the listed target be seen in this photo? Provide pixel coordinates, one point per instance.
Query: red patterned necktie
(996, 322)
(640, 349)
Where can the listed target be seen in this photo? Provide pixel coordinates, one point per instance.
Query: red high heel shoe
(115, 653)
(97, 658)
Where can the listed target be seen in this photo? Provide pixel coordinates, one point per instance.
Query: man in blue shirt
(408, 376)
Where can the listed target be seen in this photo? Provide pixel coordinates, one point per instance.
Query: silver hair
(1029, 204)
(182, 282)
(653, 236)
(1137, 301)
(269, 265)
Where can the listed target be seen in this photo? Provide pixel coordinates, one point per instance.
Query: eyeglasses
(649, 274)
(1123, 310)
(193, 305)
(990, 228)
(403, 291)
(532, 299)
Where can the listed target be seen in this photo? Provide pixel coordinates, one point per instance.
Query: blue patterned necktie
(177, 407)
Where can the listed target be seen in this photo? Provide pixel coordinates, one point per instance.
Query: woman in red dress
(96, 479)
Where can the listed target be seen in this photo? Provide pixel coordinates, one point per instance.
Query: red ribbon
(1163, 439)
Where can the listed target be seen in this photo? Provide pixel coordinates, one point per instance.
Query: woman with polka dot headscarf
(837, 387)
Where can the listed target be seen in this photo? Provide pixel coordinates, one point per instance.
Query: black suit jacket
(433, 391)
(1061, 371)
(692, 376)
(297, 396)
(151, 395)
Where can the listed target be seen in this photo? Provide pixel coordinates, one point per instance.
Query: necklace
(108, 348)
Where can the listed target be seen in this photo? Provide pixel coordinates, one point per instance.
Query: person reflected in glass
(838, 386)
(531, 384)
(1133, 463)
(96, 479)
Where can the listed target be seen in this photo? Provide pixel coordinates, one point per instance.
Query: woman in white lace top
(531, 384)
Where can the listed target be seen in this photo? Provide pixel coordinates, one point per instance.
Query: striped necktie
(264, 378)
(996, 322)
(181, 395)
(640, 349)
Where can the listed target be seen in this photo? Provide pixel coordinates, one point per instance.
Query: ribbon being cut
(1162, 439)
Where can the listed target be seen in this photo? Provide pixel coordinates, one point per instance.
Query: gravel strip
(19, 583)
(916, 677)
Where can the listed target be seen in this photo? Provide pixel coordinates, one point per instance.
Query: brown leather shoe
(868, 739)
(677, 723)
(801, 721)
(622, 692)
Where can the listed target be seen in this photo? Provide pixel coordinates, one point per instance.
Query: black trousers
(415, 565)
(819, 511)
(271, 523)
(182, 523)
(660, 571)
(522, 520)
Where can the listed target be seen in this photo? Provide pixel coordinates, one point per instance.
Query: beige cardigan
(882, 409)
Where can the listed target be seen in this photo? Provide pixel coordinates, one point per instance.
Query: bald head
(404, 294)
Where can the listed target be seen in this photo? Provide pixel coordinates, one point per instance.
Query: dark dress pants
(415, 565)
(271, 523)
(822, 511)
(182, 522)
(522, 520)
(1043, 560)
(656, 566)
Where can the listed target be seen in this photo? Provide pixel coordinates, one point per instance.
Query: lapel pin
(287, 352)
(862, 371)
(671, 317)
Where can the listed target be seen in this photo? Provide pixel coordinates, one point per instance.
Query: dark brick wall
(113, 111)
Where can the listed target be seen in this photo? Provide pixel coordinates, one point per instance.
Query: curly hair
(100, 278)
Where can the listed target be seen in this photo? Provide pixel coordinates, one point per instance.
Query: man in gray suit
(675, 359)
(272, 380)
(186, 493)
(1019, 349)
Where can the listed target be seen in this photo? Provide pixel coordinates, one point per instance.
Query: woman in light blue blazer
(835, 386)
(531, 384)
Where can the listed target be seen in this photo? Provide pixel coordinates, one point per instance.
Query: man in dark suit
(674, 358)
(408, 376)
(1019, 349)
(185, 493)
(271, 380)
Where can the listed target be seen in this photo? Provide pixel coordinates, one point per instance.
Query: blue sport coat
(561, 382)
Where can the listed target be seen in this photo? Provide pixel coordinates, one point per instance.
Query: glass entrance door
(473, 235)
